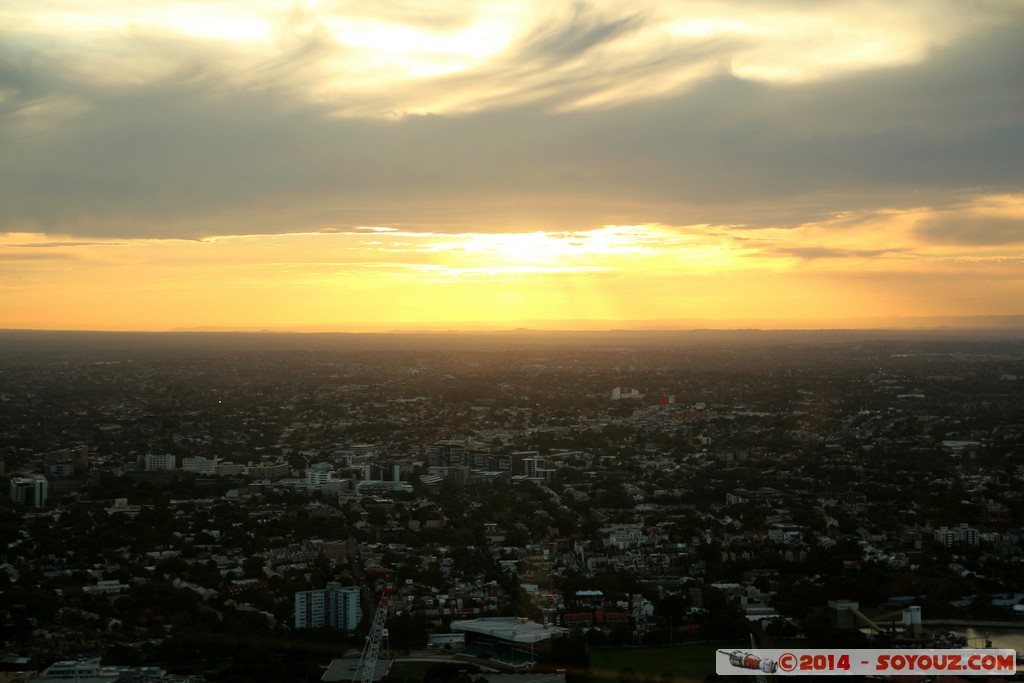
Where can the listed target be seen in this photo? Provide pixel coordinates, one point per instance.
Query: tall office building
(66, 462)
(30, 490)
(531, 465)
(446, 454)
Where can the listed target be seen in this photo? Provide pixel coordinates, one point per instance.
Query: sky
(393, 164)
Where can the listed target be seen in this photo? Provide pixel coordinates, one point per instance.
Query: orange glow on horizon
(385, 277)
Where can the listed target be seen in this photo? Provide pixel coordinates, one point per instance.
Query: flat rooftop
(510, 629)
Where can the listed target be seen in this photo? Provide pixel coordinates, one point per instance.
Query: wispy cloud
(814, 253)
(124, 125)
(13, 257)
(56, 244)
(328, 143)
(977, 230)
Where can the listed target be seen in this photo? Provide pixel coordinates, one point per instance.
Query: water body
(1012, 639)
(1001, 638)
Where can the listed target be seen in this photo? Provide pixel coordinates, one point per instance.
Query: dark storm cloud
(196, 153)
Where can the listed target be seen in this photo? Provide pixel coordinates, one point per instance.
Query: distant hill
(116, 346)
(590, 325)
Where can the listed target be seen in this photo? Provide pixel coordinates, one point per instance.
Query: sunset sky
(397, 164)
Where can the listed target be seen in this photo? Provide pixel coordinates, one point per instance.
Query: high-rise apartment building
(446, 454)
(958, 534)
(30, 490)
(335, 606)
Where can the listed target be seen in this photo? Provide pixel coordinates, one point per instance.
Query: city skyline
(311, 165)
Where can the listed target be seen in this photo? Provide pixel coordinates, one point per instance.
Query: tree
(568, 653)
(253, 567)
(449, 672)
(258, 665)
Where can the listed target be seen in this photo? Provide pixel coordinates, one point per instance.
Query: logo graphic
(866, 662)
(745, 660)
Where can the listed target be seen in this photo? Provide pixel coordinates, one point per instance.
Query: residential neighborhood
(239, 507)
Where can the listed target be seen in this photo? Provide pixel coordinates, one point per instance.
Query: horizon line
(1003, 322)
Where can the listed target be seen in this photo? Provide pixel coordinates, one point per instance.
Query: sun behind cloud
(303, 164)
(382, 276)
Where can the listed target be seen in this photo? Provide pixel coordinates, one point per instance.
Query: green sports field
(685, 663)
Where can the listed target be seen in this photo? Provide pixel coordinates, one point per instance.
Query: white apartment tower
(335, 606)
(958, 534)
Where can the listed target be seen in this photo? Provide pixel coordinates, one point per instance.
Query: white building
(80, 670)
(623, 536)
(199, 465)
(958, 534)
(107, 587)
(533, 468)
(318, 477)
(510, 630)
(335, 606)
(618, 393)
(782, 533)
(531, 465)
(164, 461)
(310, 609)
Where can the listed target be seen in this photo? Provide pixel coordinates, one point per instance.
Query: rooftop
(511, 629)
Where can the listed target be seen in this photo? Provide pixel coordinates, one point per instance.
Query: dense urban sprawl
(231, 507)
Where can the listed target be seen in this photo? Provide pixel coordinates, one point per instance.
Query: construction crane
(760, 674)
(371, 650)
(873, 623)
